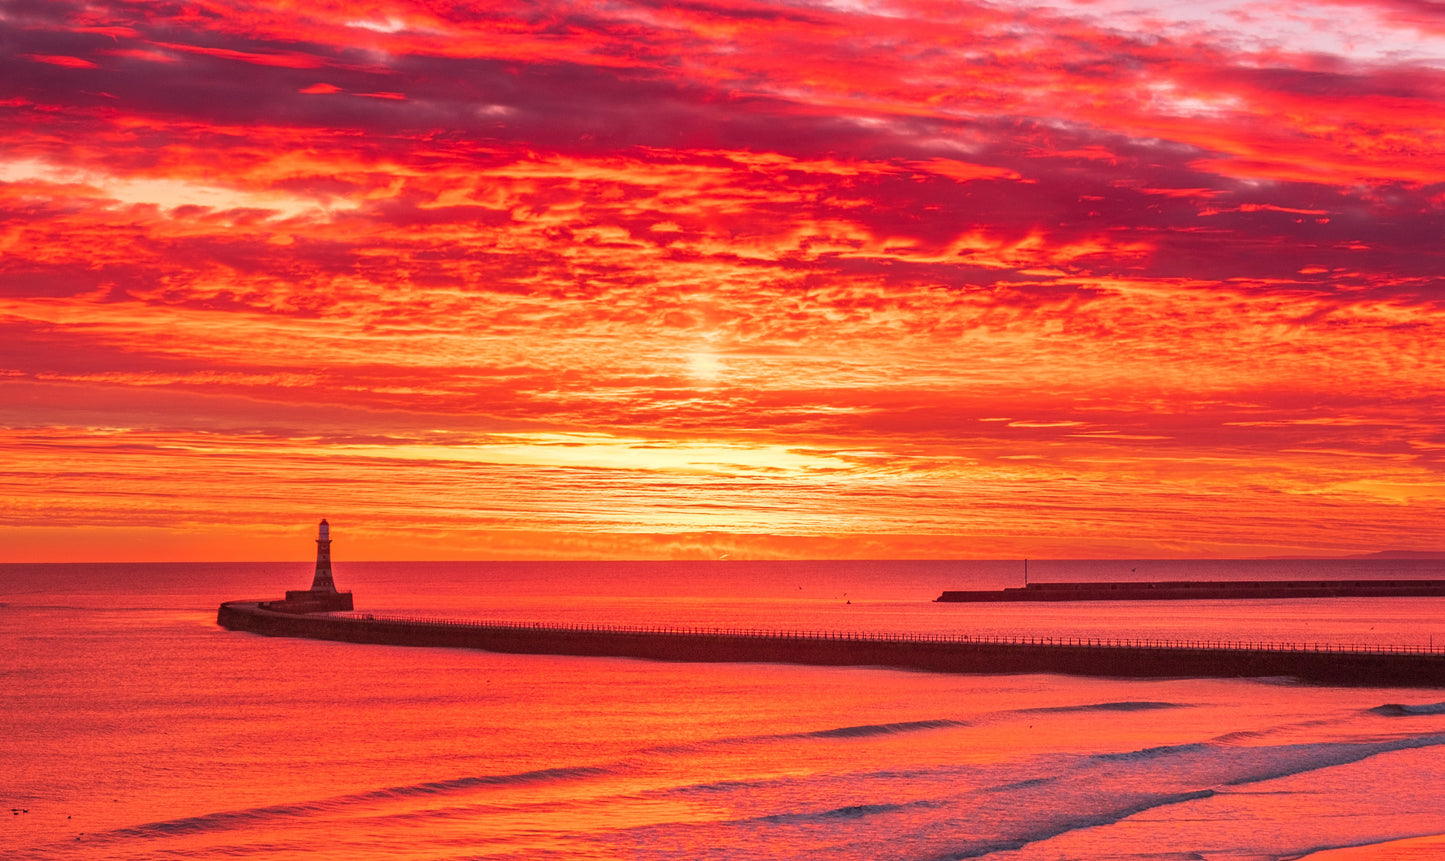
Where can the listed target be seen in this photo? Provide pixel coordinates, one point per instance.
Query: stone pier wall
(1114, 658)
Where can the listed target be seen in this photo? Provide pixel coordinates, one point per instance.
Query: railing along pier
(1092, 642)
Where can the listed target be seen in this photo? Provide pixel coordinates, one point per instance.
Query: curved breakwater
(1313, 663)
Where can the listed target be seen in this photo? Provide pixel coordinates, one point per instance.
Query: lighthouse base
(311, 601)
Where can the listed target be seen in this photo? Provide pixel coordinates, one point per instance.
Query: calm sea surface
(132, 727)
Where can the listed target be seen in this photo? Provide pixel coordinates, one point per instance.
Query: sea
(133, 727)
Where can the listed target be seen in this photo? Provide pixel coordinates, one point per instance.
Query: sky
(721, 279)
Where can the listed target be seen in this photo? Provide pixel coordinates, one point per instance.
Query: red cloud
(59, 60)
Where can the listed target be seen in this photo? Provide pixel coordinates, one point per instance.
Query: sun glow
(705, 367)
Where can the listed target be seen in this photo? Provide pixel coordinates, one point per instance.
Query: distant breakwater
(1324, 664)
(1203, 590)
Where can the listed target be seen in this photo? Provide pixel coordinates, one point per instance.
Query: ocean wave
(851, 811)
(1248, 735)
(1226, 765)
(1151, 752)
(1402, 710)
(1244, 735)
(460, 784)
(864, 731)
(1261, 764)
(1143, 706)
(718, 786)
(877, 729)
(1015, 786)
(1060, 827)
(1400, 844)
(228, 820)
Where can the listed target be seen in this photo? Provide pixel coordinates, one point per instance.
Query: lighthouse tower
(322, 597)
(323, 581)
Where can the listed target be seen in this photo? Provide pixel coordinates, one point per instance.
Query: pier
(1203, 590)
(1322, 664)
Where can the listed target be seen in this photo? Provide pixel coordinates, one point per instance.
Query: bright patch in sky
(597, 451)
(704, 366)
(165, 193)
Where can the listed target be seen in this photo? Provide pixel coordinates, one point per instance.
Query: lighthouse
(323, 582)
(322, 597)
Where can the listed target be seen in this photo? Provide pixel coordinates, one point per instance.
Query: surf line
(1123, 658)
